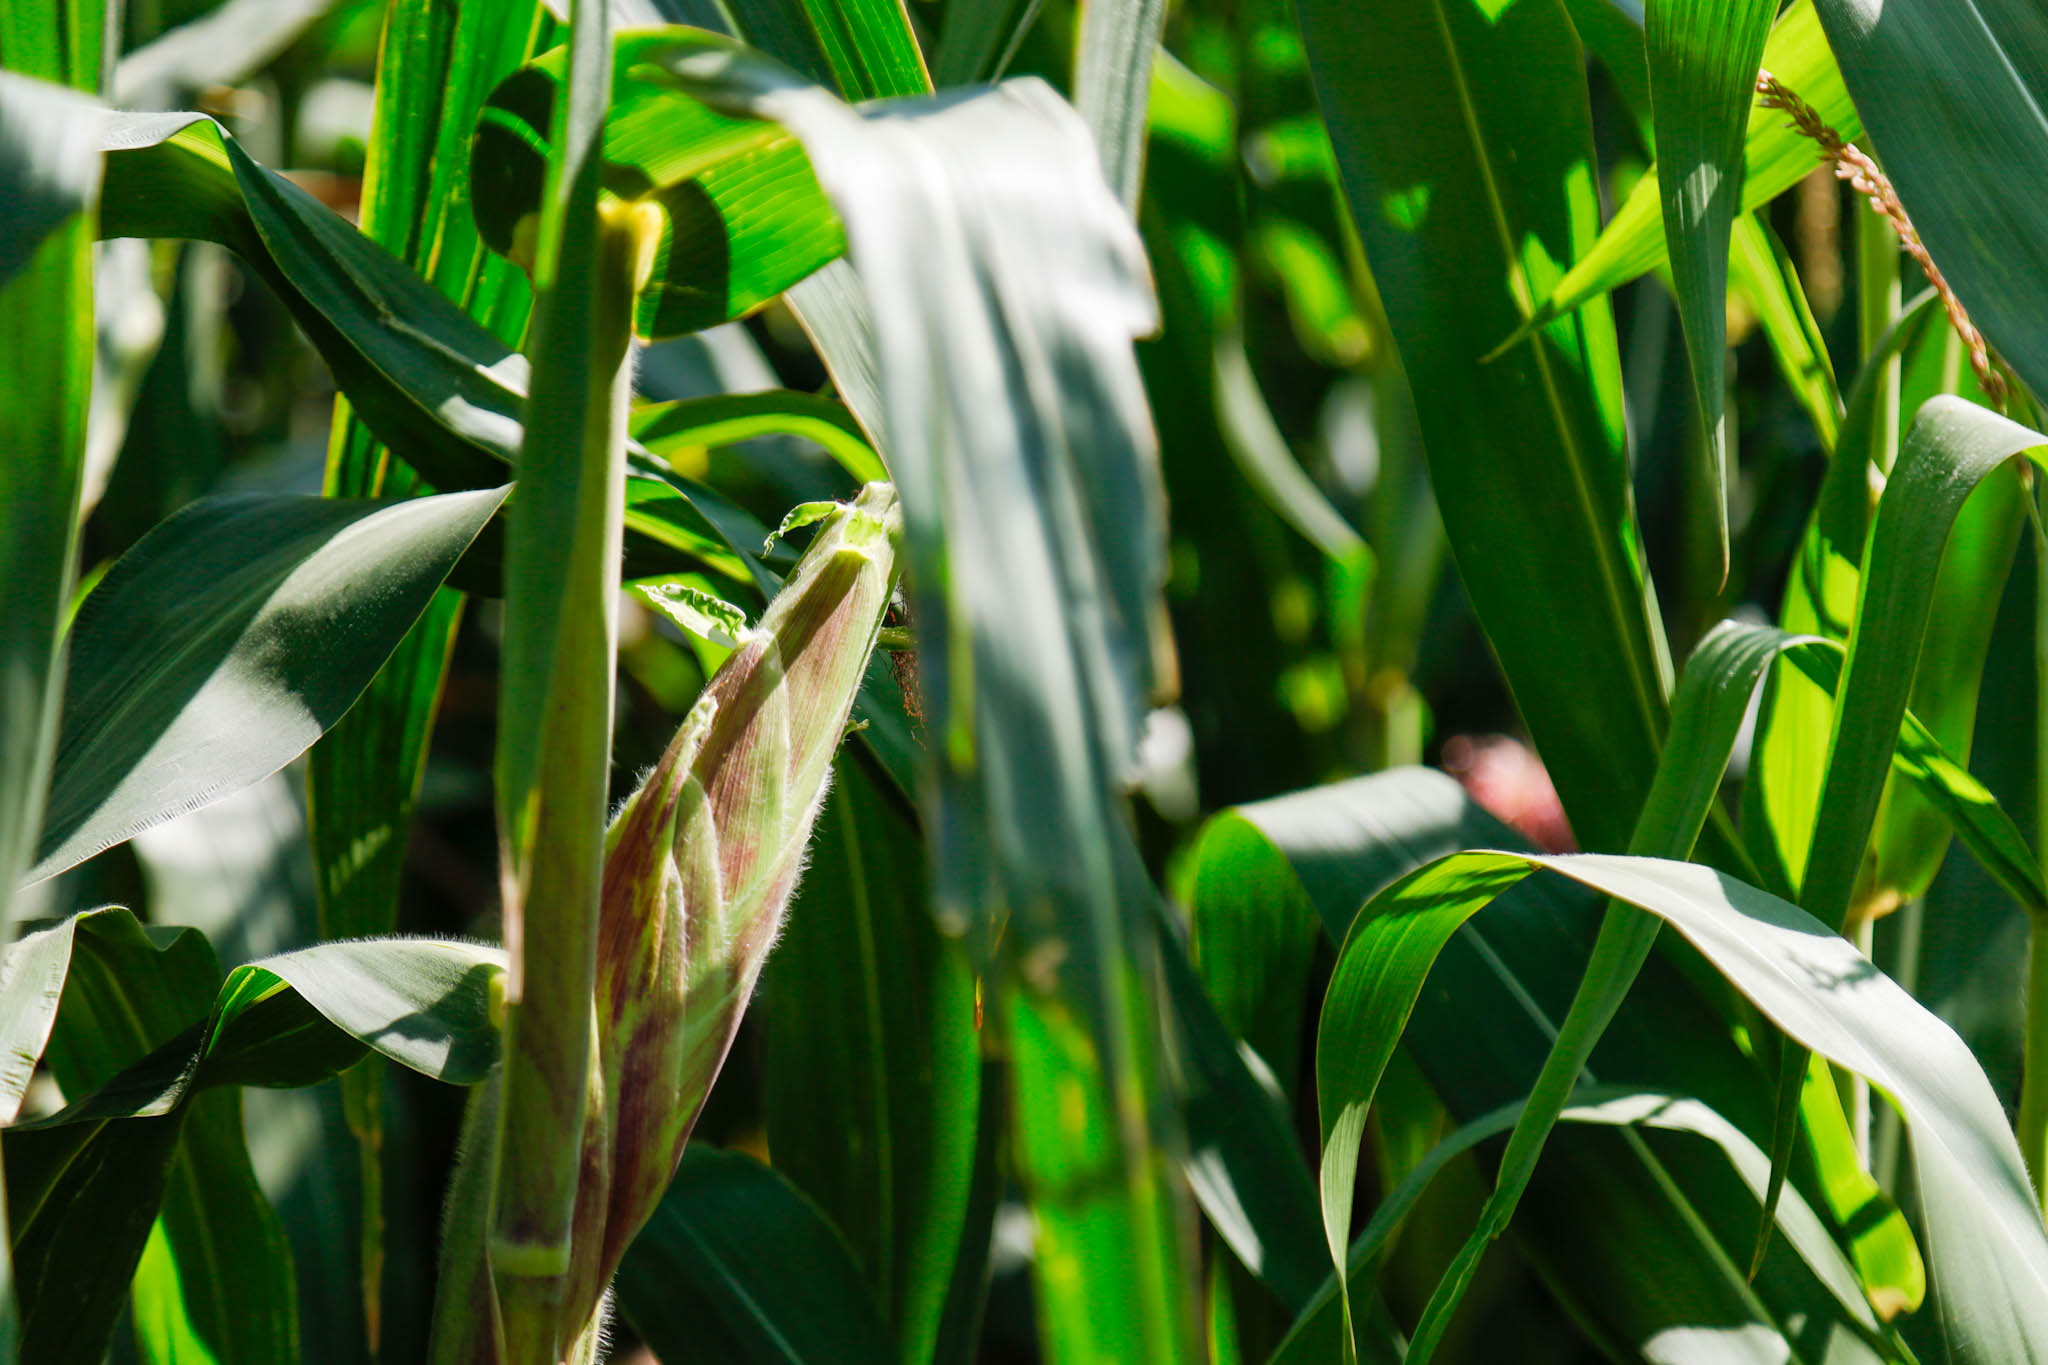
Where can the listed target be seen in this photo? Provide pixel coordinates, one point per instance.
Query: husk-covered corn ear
(698, 870)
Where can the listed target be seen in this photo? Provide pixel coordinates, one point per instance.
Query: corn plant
(1000, 680)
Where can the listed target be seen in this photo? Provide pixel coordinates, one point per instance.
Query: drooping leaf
(226, 641)
(1987, 1249)
(1316, 1333)
(1634, 1235)
(425, 377)
(1022, 266)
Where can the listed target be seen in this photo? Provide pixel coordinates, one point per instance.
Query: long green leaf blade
(1955, 95)
(1987, 1248)
(226, 642)
(1704, 56)
(1463, 138)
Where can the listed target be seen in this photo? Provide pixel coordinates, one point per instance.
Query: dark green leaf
(1986, 1246)
(84, 1197)
(226, 641)
(1953, 93)
(1464, 141)
(1635, 1237)
(874, 1067)
(737, 1266)
(215, 1279)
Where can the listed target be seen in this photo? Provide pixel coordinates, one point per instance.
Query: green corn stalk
(698, 869)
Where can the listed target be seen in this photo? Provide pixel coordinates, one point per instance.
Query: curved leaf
(430, 1005)
(222, 645)
(1986, 1246)
(743, 216)
(1315, 1334)
(1656, 1257)
(727, 418)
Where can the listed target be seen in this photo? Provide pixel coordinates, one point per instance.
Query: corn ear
(702, 862)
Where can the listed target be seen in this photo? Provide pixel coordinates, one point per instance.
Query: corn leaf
(1658, 1254)
(226, 641)
(1953, 95)
(1471, 205)
(1316, 1334)
(874, 1070)
(1703, 58)
(1775, 157)
(215, 1278)
(1026, 801)
(85, 1197)
(1987, 1249)
(737, 1266)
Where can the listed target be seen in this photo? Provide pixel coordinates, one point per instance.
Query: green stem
(553, 935)
(2033, 1116)
(2032, 1122)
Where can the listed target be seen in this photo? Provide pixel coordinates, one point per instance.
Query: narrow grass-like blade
(1703, 58)
(737, 1266)
(1464, 142)
(1953, 446)
(1761, 270)
(1775, 157)
(1789, 755)
(226, 641)
(1316, 1333)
